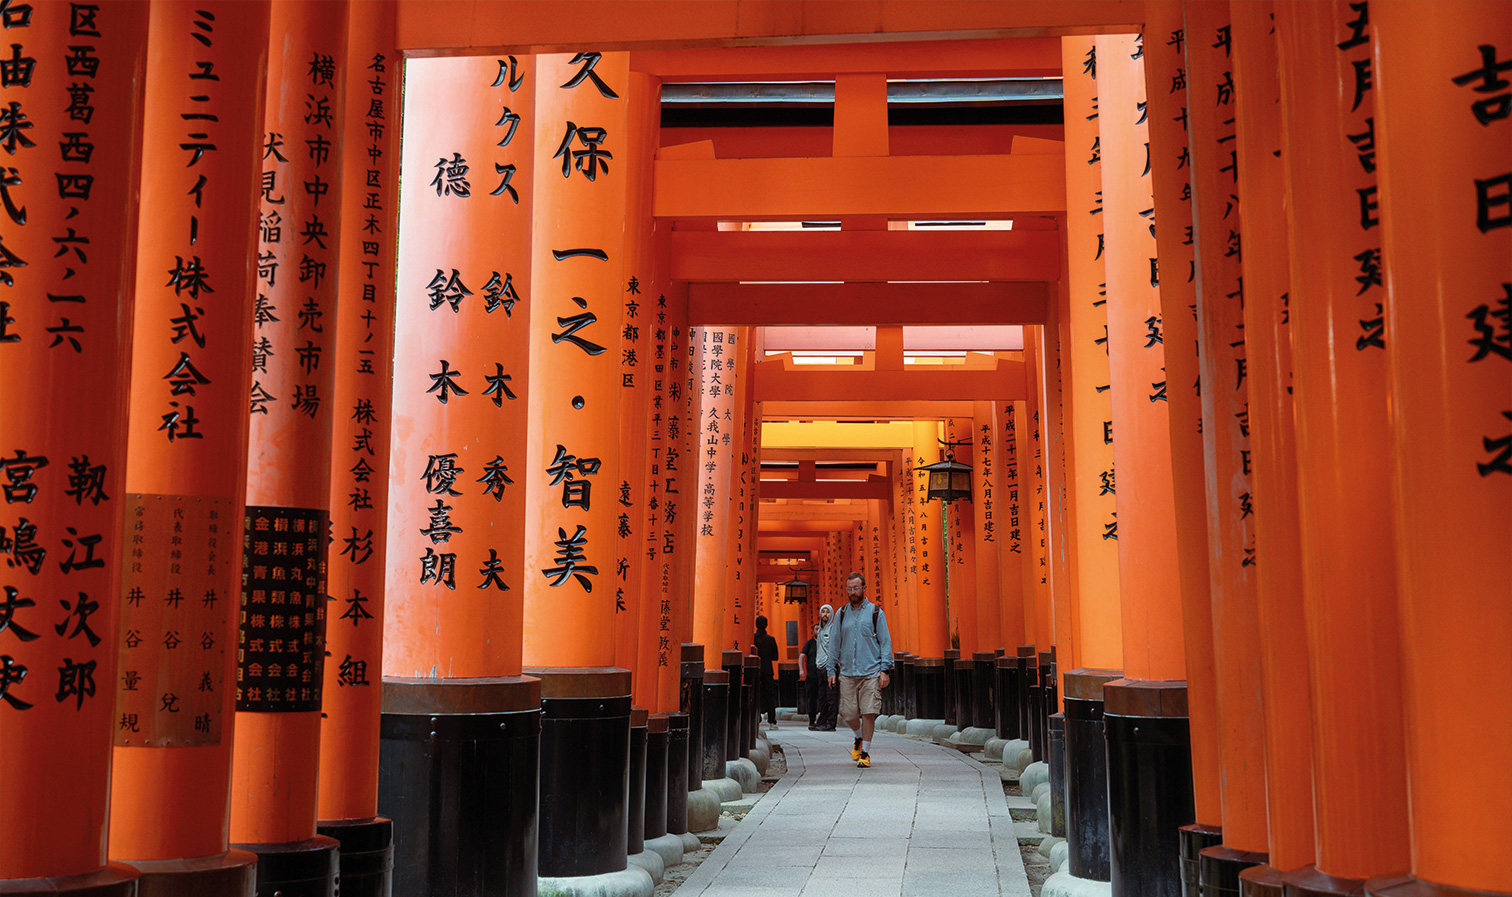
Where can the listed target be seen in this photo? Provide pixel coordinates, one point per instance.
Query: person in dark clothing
(813, 677)
(766, 651)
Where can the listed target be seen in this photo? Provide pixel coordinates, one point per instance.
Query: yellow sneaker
(864, 761)
(856, 750)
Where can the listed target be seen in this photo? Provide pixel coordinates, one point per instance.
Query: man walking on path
(766, 651)
(861, 656)
(827, 697)
(813, 677)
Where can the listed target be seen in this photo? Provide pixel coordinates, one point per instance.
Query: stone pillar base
(632, 881)
(296, 869)
(1064, 884)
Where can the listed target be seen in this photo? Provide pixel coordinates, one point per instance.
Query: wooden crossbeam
(886, 255)
(861, 304)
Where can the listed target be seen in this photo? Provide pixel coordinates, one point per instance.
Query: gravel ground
(1037, 867)
(673, 877)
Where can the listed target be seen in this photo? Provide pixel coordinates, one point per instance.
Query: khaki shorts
(859, 696)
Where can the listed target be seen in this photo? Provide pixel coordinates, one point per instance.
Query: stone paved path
(923, 820)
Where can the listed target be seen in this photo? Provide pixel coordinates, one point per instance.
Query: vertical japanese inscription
(281, 639)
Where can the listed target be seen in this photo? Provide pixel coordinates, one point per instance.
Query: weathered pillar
(1004, 522)
(1278, 575)
(281, 643)
(1444, 125)
(169, 806)
(1217, 214)
(961, 539)
(454, 700)
(1166, 80)
(72, 81)
(1339, 349)
(715, 417)
(347, 806)
(579, 269)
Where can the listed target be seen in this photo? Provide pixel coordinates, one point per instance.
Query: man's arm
(884, 640)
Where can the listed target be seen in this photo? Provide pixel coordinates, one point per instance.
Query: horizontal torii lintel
(882, 255)
(773, 383)
(864, 410)
(872, 488)
(914, 187)
(862, 304)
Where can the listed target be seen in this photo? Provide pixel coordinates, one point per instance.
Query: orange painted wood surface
(65, 343)
(174, 803)
(931, 626)
(1223, 358)
(578, 254)
(463, 317)
(1443, 134)
(1097, 611)
(1340, 367)
(1278, 575)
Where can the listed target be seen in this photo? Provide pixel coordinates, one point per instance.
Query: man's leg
(811, 692)
(831, 704)
(869, 704)
(850, 711)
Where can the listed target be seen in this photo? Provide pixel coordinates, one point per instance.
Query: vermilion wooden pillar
(457, 477)
(1149, 760)
(634, 606)
(1166, 80)
(990, 500)
(960, 520)
(1223, 359)
(1055, 582)
(717, 385)
(1278, 574)
(1091, 434)
(933, 636)
(905, 551)
(347, 805)
(578, 280)
(1010, 522)
(281, 642)
(1339, 349)
(740, 619)
(71, 107)
(1443, 125)
(170, 792)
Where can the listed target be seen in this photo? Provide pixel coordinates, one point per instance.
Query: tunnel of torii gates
(406, 408)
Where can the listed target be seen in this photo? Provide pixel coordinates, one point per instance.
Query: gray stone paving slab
(923, 820)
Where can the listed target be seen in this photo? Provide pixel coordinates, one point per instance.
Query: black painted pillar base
(230, 874)
(983, 689)
(1008, 709)
(1310, 881)
(1149, 784)
(635, 803)
(295, 869)
(691, 702)
(910, 692)
(1191, 841)
(1049, 696)
(952, 686)
(750, 692)
(964, 700)
(1086, 770)
(1404, 885)
(366, 855)
(1026, 682)
(585, 770)
(1057, 764)
(115, 880)
(1218, 869)
(788, 687)
(929, 679)
(715, 746)
(677, 773)
(458, 771)
(1259, 881)
(654, 819)
(733, 663)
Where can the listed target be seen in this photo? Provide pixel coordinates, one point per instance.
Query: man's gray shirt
(857, 649)
(822, 648)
